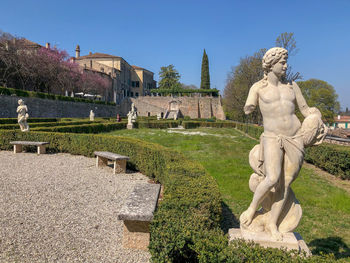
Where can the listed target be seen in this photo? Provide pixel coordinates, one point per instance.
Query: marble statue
(23, 115)
(92, 115)
(276, 161)
(132, 116)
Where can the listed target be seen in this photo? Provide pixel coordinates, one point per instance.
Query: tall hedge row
(186, 225)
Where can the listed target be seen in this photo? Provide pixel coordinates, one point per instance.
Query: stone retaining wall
(194, 107)
(54, 108)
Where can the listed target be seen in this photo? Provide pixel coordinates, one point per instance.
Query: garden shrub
(30, 120)
(24, 93)
(92, 127)
(45, 124)
(334, 159)
(156, 124)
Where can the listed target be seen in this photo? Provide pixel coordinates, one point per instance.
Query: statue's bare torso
(277, 105)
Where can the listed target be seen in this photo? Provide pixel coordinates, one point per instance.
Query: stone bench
(119, 161)
(17, 146)
(137, 213)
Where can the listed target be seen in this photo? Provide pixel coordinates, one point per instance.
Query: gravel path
(61, 208)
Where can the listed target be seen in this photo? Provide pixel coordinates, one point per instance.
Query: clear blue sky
(152, 34)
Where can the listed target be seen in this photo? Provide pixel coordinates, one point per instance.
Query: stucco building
(126, 80)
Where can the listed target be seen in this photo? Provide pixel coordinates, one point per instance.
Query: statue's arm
(303, 107)
(252, 99)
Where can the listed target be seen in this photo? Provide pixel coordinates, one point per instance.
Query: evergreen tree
(169, 78)
(205, 78)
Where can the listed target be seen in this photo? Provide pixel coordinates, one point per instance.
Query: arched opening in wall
(162, 115)
(148, 114)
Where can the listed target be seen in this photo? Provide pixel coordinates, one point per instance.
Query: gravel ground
(61, 208)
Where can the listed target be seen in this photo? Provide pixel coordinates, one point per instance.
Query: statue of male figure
(23, 115)
(281, 149)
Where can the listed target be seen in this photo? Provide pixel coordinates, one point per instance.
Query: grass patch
(325, 224)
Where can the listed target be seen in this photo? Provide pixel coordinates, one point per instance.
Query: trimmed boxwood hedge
(45, 124)
(25, 93)
(252, 130)
(30, 120)
(156, 124)
(334, 159)
(84, 128)
(186, 225)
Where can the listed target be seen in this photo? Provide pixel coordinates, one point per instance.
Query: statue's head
(20, 102)
(272, 57)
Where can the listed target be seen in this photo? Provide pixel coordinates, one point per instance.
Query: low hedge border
(156, 124)
(84, 128)
(334, 159)
(30, 120)
(186, 225)
(252, 130)
(46, 124)
(41, 95)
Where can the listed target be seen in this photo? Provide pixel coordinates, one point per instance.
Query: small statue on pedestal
(92, 115)
(132, 116)
(23, 115)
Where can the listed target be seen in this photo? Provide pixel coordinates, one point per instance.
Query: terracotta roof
(98, 55)
(137, 67)
(342, 119)
(28, 42)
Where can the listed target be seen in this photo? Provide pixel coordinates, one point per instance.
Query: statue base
(130, 126)
(290, 240)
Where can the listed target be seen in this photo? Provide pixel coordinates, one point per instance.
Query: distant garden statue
(132, 116)
(278, 158)
(23, 115)
(92, 115)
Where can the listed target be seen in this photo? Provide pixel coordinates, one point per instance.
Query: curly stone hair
(271, 57)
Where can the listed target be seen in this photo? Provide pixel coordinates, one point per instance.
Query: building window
(135, 84)
(136, 94)
(132, 94)
(102, 69)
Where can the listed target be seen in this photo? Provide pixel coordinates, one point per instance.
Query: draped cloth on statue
(290, 216)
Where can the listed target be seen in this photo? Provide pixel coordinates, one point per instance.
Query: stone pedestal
(291, 241)
(130, 126)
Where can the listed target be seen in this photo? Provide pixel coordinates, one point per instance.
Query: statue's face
(280, 68)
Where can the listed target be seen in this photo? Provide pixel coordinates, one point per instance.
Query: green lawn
(325, 225)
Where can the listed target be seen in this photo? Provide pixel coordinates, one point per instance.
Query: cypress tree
(205, 78)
